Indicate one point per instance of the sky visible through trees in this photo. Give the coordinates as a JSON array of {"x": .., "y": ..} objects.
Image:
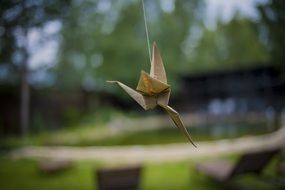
[{"x": 92, "y": 34}]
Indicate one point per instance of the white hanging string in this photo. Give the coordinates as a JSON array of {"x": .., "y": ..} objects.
[{"x": 146, "y": 31}]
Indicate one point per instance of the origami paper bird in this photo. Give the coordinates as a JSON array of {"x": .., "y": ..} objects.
[{"x": 153, "y": 90}]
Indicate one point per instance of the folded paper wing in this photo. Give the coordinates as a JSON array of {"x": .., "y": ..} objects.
[
  {"x": 147, "y": 102},
  {"x": 177, "y": 121}
]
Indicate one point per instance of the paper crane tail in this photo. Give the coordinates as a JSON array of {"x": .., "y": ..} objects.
[{"x": 177, "y": 121}]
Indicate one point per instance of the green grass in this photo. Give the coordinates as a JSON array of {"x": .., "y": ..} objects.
[
  {"x": 88, "y": 135},
  {"x": 170, "y": 135},
  {"x": 179, "y": 175},
  {"x": 24, "y": 175}
]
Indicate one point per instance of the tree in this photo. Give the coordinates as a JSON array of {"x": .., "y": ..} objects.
[
  {"x": 17, "y": 18},
  {"x": 111, "y": 44},
  {"x": 273, "y": 19},
  {"x": 231, "y": 45}
]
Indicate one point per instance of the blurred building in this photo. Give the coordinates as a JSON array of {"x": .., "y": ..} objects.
[{"x": 242, "y": 90}]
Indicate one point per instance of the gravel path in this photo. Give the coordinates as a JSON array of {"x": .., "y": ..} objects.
[{"x": 154, "y": 153}]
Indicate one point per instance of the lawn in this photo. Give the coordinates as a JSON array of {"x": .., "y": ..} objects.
[
  {"x": 24, "y": 175},
  {"x": 103, "y": 136}
]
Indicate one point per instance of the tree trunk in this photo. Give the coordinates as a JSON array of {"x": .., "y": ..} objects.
[
  {"x": 25, "y": 91},
  {"x": 25, "y": 100}
]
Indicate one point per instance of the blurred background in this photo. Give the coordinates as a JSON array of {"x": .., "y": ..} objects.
[{"x": 224, "y": 61}]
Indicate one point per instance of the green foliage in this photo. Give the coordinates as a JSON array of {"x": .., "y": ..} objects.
[
  {"x": 101, "y": 48},
  {"x": 100, "y": 41},
  {"x": 100, "y": 117},
  {"x": 95, "y": 48},
  {"x": 110, "y": 43},
  {"x": 71, "y": 116},
  {"x": 232, "y": 45},
  {"x": 38, "y": 124},
  {"x": 273, "y": 29}
]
